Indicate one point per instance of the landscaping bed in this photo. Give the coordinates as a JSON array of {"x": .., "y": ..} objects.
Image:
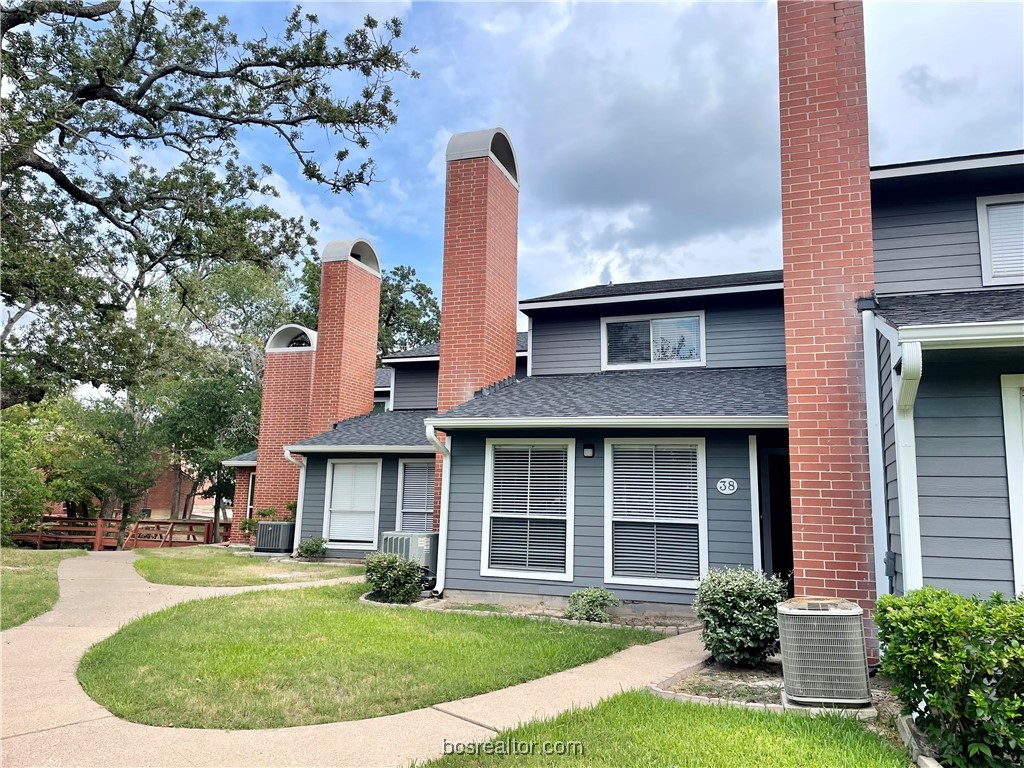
[
  {"x": 281, "y": 658},
  {"x": 214, "y": 566},
  {"x": 28, "y": 585},
  {"x": 639, "y": 730}
]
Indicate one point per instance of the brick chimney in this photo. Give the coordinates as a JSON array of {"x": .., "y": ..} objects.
[
  {"x": 346, "y": 356},
  {"x": 827, "y": 266},
  {"x": 284, "y": 416}
]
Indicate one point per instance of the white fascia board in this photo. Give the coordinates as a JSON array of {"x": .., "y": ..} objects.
[
  {"x": 304, "y": 449},
  {"x": 238, "y": 463},
  {"x": 1007, "y": 333},
  {"x": 619, "y": 422},
  {"x": 425, "y": 359},
  {"x": 967, "y": 164},
  {"x": 526, "y": 306}
]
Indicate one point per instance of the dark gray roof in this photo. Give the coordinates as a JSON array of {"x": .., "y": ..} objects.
[
  {"x": 250, "y": 456},
  {"x": 948, "y": 308},
  {"x": 649, "y": 393},
  {"x": 434, "y": 350},
  {"x": 387, "y": 428},
  {"x": 382, "y": 378},
  {"x": 742, "y": 279}
]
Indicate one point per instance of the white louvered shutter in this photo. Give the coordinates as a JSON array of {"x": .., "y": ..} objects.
[
  {"x": 418, "y": 497},
  {"x": 529, "y": 505},
  {"x": 655, "y": 511},
  {"x": 353, "y": 503},
  {"x": 1006, "y": 239}
]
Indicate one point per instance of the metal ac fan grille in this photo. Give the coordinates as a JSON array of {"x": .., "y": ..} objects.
[{"x": 824, "y": 658}]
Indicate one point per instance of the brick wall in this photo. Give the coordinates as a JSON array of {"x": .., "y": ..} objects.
[
  {"x": 826, "y": 218},
  {"x": 241, "y": 501},
  {"x": 478, "y": 294},
  {"x": 346, "y": 352},
  {"x": 284, "y": 419}
]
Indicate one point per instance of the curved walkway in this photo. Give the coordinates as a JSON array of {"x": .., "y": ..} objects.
[{"x": 47, "y": 719}]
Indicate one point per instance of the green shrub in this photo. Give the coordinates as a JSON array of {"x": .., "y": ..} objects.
[
  {"x": 269, "y": 513},
  {"x": 313, "y": 549},
  {"x": 737, "y": 608},
  {"x": 590, "y": 604},
  {"x": 248, "y": 525},
  {"x": 393, "y": 578},
  {"x": 958, "y": 664}
]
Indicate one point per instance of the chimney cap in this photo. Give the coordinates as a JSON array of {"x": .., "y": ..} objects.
[
  {"x": 359, "y": 251},
  {"x": 490, "y": 142},
  {"x": 292, "y": 337}
]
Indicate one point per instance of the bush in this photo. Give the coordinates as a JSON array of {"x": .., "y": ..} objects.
[
  {"x": 393, "y": 578},
  {"x": 958, "y": 664},
  {"x": 270, "y": 514},
  {"x": 737, "y": 608},
  {"x": 590, "y": 604},
  {"x": 248, "y": 525},
  {"x": 313, "y": 549}
]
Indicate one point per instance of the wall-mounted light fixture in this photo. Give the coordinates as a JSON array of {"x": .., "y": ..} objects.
[{"x": 588, "y": 451}]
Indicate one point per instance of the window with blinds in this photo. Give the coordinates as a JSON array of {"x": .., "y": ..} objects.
[
  {"x": 657, "y": 340},
  {"x": 528, "y": 511},
  {"x": 1001, "y": 229},
  {"x": 352, "y": 503},
  {"x": 417, "y": 496},
  {"x": 656, "y": 493}
]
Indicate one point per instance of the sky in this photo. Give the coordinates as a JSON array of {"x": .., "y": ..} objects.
[{"x": 646, "y": 134}]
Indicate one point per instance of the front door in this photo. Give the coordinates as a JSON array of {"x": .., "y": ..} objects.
[{"x": 776, "y": 514}]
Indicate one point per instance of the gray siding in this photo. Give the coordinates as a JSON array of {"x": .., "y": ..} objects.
[
  {"x": 734, "y": 337},
  {"x": 415, "y": 386},
  {"x": 730, "y": 540},
  {"x": 961, "y": 468},
  {"x": 892, "y": 499},
  {"x": 314, "y": 498}
]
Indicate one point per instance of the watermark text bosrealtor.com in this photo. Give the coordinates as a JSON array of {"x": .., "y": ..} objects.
[{"x": 514, "y": 747}]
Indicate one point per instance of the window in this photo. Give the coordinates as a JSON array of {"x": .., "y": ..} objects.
[
  {"x": 353, "y": 503},
  {"x": 252, "y": 495},
  {"x": 381, "y": 404},
  {"x": 528, "y": 502},
  {"x": 653, "y": 340},
  {"x": 655, "y": 512},
  {"x": 416, "y": 495},
  {"x": 1001, "y": 233}
]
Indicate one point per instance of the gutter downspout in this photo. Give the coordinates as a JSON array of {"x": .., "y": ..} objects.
[
  {"x": 876, "y": 454},
  {"x": 442, "y": 534},
  {"x": 301, "y": 464},
  {"x": 908, "y": 383}
]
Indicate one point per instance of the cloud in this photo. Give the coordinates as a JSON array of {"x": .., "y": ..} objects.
[{"x": 919, "y": 83}]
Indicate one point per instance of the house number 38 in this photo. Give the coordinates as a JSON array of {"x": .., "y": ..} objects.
[{"x": 727, "y": 486}]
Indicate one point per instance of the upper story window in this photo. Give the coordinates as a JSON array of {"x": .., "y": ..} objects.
[
  {"x": 1001, "y": 230},
  {"x": 665, "y": 340}
]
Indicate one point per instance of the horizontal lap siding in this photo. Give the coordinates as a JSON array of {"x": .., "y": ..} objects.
[
  {"x": 729, "y": 518},
  {"x": 314, "y": 499},
  {"x": 892, "y": 500},
  {"x": 735, "y": 337},
  {"x": 415, "y": 387},
  {"x": 961, "y": 466}
]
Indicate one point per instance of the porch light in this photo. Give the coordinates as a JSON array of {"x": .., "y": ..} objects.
[{"x": 588, "y": 451}]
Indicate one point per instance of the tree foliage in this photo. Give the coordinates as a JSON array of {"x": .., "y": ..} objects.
[
  {"x": 121, "y": 170},
  {"x": 409, "y": 313}
]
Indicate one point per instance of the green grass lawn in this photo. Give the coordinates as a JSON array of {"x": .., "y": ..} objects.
[
  {"x": 639, "y": 730},
  {"x": 218, "y": 567},
  {"x": 28, "y": 582},
  {"x": 278, "y": 658}
]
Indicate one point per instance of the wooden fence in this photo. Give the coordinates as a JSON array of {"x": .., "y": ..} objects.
[{"x": 101, "y": 533}]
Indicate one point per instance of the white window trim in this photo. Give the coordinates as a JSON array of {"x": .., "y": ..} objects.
[
  {"x": 359, "y": 545},
  {"x": 570, "y": 506},
  {"x": 251, "y": 499},
  {"x": 983, "y": 237},
  {"x": 702, "y": 512},
  {"x": 606, "y": 366},
  {"x": 401, "y": 484},
  {"x": 385, "y": 400},
  {"x": 1011, "y": 385}
]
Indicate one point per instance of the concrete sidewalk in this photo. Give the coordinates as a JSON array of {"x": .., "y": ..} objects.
[{"x": 48, "y": 720}]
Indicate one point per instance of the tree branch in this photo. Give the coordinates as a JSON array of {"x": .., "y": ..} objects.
[{"x": 34, "y": 10}]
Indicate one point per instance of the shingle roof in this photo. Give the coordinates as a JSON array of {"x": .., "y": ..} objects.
[
  {"x": 948, "y": 308},
  {"x": 241, "y": 458},
  {"x": 382, "y": 378},
  {"x": 741, "y": 279},
  {"x": 433, "y": 350},
  {"x": 650, "y": 393},
  {"x": 389, "y": 428}
]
